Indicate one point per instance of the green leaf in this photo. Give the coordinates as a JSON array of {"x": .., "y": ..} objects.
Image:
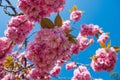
[
  {"x": 103, "y": 45},
  {"x": 117, "y": 48},
  {"x": 47, "y": 23},
  {"x": 58, "y": 21}
]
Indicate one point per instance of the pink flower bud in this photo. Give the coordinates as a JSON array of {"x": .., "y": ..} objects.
[{"x": 75, "y": 15}]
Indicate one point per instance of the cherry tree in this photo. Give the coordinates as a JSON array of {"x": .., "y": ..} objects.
[{"x": 53, "y": 45}]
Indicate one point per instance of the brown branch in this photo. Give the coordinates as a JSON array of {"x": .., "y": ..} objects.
[
  {"x": 5, "y": 8},
  {"x": 12, "y": 7},
  {"x": 22, "y": 23}
]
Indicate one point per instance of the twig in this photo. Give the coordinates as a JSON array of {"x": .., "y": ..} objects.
[
  {"x": 12, "y": 7},
  {"x": 5, "y": 8},
  {"x": 21, "y": 23}
]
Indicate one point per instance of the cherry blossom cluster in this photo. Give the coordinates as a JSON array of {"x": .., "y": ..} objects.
[
  {"x": 104, "y": 60},
  {"x": 103, "y": 38},
  {"x": 18, "y": 29},
  {"x": 82, "y": 43},
  {"x": 64, "y": 59},
  {"x": 89, "y": 30},
  {"x": 36, "y": 75},
  {"x": 4, "y": 48},
  {"x": 52, "y": 46},
  {"x": 71, "y": 65},
  {"x": 48, "y": 46},
  {"x": 81, "y": 73},
  {"x": 55, "y": 71},
  {"x": 37, "y": 9}
]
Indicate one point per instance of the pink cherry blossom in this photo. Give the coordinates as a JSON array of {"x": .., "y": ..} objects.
[
  {"x": 18, "y": 29},
  {"x": 89, "y": 30},
  {"x": 55, "y": 71},
  {"x": 103, "y": 38},
  {"x": 66, "y": 25},
  {"x": 83, "y": 42},
  {"x": 37, "y": 9},
  {"x": 105, "y": 60},
  {"x": 4, "y": 48},
  {"x": 61, "y": 61},
  {"x": 75, "y": 48},
  {"x": 76, "y": 15},
  {"x": 71, "y": 65},
  {"x": 36, "y": 75},
  {"x": 48, "y": 46},
  {"x": 81, "y": 73}
]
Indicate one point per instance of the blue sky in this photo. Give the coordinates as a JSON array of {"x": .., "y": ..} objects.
[{"x": 105, "y": 13}]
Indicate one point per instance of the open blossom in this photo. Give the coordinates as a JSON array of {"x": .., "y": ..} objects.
[
  {"x": 71, "y": 65},
  {"x": 55, "y": 71},
  {"x": 103, "y": 38},
  {"x": 4, "y": 48},
  {"x": 105, "y": 60},
  {"x": 18, "y": 28},
  {"x": 83, "y": 42},
  {"x": 36, "y": 75},
  {"x": 66, "y": 25},
  {"x": 48, "y": 46},
  {"x": 37, "y": 9},
  {"x": 81, "y": 73},
  {"x": 89, "y": 30},
  {"x": 75, "y": 48},
  {"x": 61, "y": 61},
  {"x": 76, "y": 15}
]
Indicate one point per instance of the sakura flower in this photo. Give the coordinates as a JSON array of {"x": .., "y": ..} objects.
[
  {"x": 4, "y": 48},
  {"x": 47, "y": 48},
  {"x": 89, "y": 30},
  {"x": 18, "y": 29},
  {"x": 37, "y": 9},
  {"x": 103, "y": 38},
  {"x": 83, "y": 42},
  {"x": 81, "y": 73},
  {"x": 66, "y": 25},
  {"x": 76, "y": 15},
  {"x": 71, "y": 65},
  {"x": 105, "y": 60},
  {"x": 55, "y": 71}
]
